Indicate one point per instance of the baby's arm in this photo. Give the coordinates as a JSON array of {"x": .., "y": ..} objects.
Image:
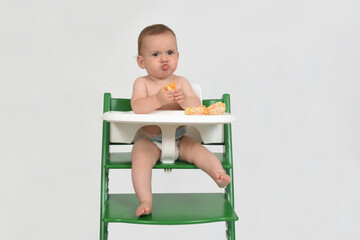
[
  {"x": 142, "y": 103},
  {"x": 185, "y": 96}
]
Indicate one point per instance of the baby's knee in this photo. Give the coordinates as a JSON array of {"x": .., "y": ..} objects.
[
  {"x": 189, "y": 144},
  {"x": 141, "y": 145},
  {"x": 144, "y": 149},
  {"x": 189, "y": 149}
]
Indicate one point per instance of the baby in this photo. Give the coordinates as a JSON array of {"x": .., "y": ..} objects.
[{"x": 158, "y": 55}]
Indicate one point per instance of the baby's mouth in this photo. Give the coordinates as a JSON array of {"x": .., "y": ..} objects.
[{"x": 165, "y": 67}]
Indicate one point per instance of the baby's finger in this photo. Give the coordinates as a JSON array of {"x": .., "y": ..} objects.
[
  {"x": 179, "y": 98},
  {"x": 178, "y": 90}
]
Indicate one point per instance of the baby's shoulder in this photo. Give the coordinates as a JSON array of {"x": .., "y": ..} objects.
[
  {"x": 181, "y": 79},
  {"x": 141, "y": 79},
  {"x": 140, "y": 84},
  {"x": 183, "y": 82}
]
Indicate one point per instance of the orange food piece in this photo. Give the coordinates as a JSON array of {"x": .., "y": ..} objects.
[
  {"x": 165, "y": 67},
  {"x": 215, "y": 109},
  {"x": 195, "y": 110},
  {"x": 170, "y": 86}
]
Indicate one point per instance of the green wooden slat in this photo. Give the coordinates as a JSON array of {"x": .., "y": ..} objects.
[
  {"x": 121, "y": 104},
  {"x": 122, "y": 160},
  {"x": 208, "y": 102},
  {"x": 171, "y": 209}
]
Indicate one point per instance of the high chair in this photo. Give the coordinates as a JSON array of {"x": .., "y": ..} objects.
[{"x": 168, "y": 208}]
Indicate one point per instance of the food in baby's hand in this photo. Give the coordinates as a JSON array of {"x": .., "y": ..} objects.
[
  {"x": 215, "y": 109},
  {"x": 195, "y": 110},
  {"x": 170, "y": 86}
]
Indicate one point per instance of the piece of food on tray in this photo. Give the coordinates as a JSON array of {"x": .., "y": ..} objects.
[
  {"x": 215, "y": 109},
  {"x": 195, "y": 110},
  {"x": 170, "y": 86}
]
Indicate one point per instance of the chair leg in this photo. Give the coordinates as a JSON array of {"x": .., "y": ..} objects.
[
  {"x": 229, "y": 191},
  {"x": 103, "y": 231},
  {"x": 230, "y": 230},
  {"x": 104, "y": 198}
]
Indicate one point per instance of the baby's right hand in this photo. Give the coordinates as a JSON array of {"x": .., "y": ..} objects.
[{"x": 165, "y": 96}]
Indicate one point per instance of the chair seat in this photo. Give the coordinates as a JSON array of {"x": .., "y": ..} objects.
[
  {"x": 122, "y": 160},
  {"x": 171, "y": 209}
]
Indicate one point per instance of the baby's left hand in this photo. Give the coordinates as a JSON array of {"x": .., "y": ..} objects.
[{"x": 179, "y": 96}]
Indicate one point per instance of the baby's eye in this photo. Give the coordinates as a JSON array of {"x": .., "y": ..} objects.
[
  {"x": 155, "y": 54},
  {"x": 170, "y": 52}
]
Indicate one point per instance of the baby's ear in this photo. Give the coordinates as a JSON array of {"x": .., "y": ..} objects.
[{"x": 140, "y": 61}]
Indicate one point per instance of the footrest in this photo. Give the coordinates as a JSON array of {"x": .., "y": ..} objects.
[
  {"x": 171, "y": 209},
  {"x": 122, "y": 160}
]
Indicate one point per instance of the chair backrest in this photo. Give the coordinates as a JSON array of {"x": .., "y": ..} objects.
[
  {"x": 120, "y": 104},
  {"x": 197, "y": 90}
]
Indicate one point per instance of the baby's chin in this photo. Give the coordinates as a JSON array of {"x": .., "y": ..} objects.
[
  {"x": 161, "y": 74},
  {"x": 165, "y": 74}
]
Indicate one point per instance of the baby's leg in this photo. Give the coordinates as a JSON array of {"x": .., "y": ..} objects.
[
  {"x": 144, "y": 156},
  {"x": 195, "y": 153}
]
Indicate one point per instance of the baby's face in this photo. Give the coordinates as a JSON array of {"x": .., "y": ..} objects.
[{"x": 159, "y": 55}]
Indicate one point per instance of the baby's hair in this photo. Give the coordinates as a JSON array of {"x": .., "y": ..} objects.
[{"x": 153, "y": 30}]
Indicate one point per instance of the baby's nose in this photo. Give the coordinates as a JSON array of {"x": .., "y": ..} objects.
[{"x": 164, "y": 58}]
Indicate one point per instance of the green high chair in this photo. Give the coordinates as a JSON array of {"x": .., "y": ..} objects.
[{"x": 168, "y": 208}]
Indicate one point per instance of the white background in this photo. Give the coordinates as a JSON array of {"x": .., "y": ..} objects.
[{"x": 291, "y": 67}]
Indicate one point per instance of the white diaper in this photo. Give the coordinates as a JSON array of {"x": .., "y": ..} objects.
[
  {"x": 159, "y": 145},
  {"x": 157, "y": 140}
]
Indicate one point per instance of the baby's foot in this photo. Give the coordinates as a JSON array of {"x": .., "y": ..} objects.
[
  {"x": 221, "y": 179},
  {"x": 143, "y": 209}
]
